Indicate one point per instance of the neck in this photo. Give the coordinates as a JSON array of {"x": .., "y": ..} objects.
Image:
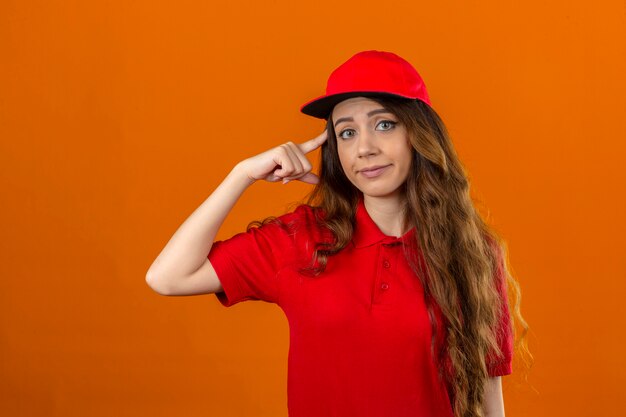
[{"x": 387, "y": 213}]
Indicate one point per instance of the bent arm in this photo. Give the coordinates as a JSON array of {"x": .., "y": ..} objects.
[
  {"x": 493, "y": 404},
  {"x": 182, "y": 267}
]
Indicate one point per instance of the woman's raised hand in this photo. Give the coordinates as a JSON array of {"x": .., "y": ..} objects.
[
  {"x": 285, "y": 162},
  {"x": 182, "y": 267}
]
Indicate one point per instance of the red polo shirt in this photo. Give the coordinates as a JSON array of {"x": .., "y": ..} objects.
[{"x": 360, "y": 334}]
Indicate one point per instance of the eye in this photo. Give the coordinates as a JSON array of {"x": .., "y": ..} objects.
[
  {"x": 342, "y": 136},
  {"x": 388, "y": 123}
]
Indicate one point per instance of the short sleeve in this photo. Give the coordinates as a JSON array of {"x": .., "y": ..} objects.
[
  {"x": 502, "y": 365},
  {"x": 248, "y": 264}
]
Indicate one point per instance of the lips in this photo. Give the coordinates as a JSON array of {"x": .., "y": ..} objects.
[{"x": 375, "y": 171}]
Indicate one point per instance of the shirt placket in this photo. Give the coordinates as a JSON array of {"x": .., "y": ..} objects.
[{"x": 386, "y": 280}]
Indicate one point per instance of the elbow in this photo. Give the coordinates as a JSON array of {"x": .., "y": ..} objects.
[{"x": 157, "y": 284}]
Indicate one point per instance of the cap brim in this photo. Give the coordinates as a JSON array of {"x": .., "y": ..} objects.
[{"x": 322, "y": 106}]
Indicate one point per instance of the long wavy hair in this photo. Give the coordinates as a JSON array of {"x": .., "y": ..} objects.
[{"x": 461, "y": 255}]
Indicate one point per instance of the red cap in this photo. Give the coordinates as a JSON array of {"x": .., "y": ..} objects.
[{"x": 368, "y": 74}]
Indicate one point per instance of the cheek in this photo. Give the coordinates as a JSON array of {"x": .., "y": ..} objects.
[
  {"x": 406, "y": 158},
  {"x": 344, "y": 160}
]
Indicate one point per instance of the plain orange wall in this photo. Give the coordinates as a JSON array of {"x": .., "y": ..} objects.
[{"x": 118, "y": 118}]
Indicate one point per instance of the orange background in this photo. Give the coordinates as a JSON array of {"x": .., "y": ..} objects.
[{"x": 118, "y": 118}]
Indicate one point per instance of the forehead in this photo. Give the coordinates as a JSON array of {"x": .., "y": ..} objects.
[{"x": 353, "y": 106}]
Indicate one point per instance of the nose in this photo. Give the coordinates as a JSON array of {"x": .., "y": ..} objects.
[{"x": 366, "y": 144}]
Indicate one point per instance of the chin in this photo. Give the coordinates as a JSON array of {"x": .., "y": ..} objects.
[{"x": 379, "y": 191}]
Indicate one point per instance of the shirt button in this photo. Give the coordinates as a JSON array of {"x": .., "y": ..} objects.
[
  {"x": 386, "y": 264},
  {"x": 384, "y": 286}
]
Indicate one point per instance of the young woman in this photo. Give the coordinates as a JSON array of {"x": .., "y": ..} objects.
[{"x": 394, "y": 288}]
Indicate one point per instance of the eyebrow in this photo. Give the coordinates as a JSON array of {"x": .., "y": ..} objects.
[{"x": 370, "y": 114}]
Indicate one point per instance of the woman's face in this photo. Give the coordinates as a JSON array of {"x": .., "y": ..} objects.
[{"x": 369, "y": 136}]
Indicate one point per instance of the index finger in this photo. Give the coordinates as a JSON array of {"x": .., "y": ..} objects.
[{"x": 314, "y": 143}]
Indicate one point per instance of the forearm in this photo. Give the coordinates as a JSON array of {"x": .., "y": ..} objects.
[
  {"x": 493, "y": 404},
  {"x": 187, "y": 249}
]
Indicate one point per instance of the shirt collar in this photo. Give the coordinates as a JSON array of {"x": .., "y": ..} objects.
[{"x": 367, "y": 233}]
